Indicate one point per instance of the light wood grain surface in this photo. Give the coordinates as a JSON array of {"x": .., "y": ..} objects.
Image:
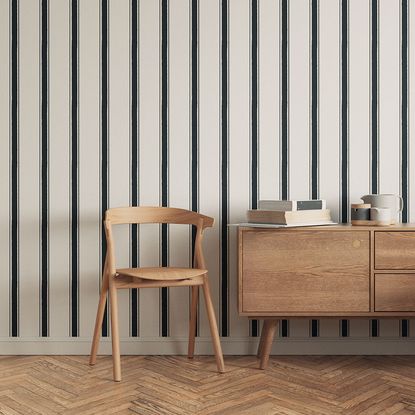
[
  {"x": 395, "y": 250},
  {"x": 175, "y": 385},
  {"x": 395, "y": 292},
  {"x": 335, "y": 271},
  {"x": 305, "y": 271},
  {"x": 153, "y": 277}
]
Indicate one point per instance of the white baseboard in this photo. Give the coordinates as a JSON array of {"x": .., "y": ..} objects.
[{"x": 231, "y": 346}]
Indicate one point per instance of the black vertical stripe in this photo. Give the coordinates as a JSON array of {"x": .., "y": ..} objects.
[
  {"x": 404, "y": 110},
  {"x": 344, "y": 114},
  {"x": 314, "y": 99},
  {"x": 254, "y": 104},
  {"x": 134, "y": 148},
  {"x": 104, "y": 180},
  {"x": 404, "y": 328},
  {"x": 374, "y": 169},
  {"x": 404, "y": 127},
  {"x": 344, "y": 328},
  {"x": 374, "y": 141},
  {"x": 164, "y": 156},
  {"x": 314, "y": 115},
  {"x": 344, "y": 133},
  {"x": 315, "y": 328},
  {"x": 284, "y": 328},
  {"x": 194, "y": 118},
  {"x": 194, "y": 110},
  {"x": 374, "y": 328},
  {"x": 14, "y": 169},
  {"x": 254, "y": 120},
  {"x": 44, "y": 181},
  {"x": 74, "y": 329},
  {"x": 284, "y": 134},
  {"x": 284, "y": 131},
  {"x": 224, "y": 169}
]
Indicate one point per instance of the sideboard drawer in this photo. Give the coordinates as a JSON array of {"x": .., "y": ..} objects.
[
  {"x": 395, "y": 292},
  {"x": 394, "y": 250},
  {"x": 304, "y": 271}
]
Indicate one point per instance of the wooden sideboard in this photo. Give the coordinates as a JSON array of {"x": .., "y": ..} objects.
[{"x": 325, "y": 271}]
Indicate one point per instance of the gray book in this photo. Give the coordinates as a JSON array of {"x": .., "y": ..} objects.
[{"x": 291, "y": 205}]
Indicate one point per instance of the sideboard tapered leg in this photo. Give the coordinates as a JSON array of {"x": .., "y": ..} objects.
[
  {"x": 261, "y": 340},
  {"x": 267, "y": 343}
]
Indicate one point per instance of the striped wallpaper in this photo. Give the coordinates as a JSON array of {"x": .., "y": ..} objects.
[{"x": 208, "y": 105}]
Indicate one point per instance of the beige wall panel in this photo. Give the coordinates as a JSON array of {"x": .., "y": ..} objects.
[
  {"x": 299, "y": 99},
  {"x": 209, "y": 142},
  {"x": 411, "y": 115},
  {"x": 119, "y": 136},
  {"x": 179, "y": 154},
  {"x": 269, "y": 98},
  {"x": 329, "y": 327},
  {"x": 389, "y": 328},
  {"x": 149, "y": 156},
  {"x": 59, "y": 131},
  {"x": 299, "y": 328},
  {"x": 89, "y": 218},
  {"x": 29, "y": 168},
  {"x": 389, "y": 84},
  {"x": 329, "y": 101}
]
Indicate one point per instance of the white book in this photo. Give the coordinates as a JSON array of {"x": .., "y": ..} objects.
[
  {"x": 292, "y": 205},
  {"x": 278, "y": 225}
]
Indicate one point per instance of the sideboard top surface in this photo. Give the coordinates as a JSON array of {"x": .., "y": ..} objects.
[{"x": 337, "y": 227}]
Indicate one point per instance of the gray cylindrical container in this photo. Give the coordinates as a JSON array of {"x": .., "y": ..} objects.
[{"x": 359, "y": 212}]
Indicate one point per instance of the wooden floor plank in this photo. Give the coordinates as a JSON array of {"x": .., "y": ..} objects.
[{"x": 174, "y": 385}]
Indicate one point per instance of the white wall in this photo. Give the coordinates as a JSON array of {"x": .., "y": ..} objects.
[{"x": 194, "y": 117}]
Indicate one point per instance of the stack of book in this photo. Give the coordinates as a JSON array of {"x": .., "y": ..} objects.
[{"x": 291, "y": 212}]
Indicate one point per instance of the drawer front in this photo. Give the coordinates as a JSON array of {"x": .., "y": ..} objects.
[
  {"x": 394, "y": 292},
  {"x": 394, "y": 250},
  {"x": 304, "y": 271}
]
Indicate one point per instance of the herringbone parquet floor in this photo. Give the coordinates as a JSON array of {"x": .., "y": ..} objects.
[{"x": 326, "y": 385}]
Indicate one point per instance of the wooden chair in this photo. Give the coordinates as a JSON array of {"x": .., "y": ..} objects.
[{"x": 114, "y": 279}]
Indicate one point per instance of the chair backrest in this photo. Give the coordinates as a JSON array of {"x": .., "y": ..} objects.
[
  {"x": 148, "y": 214},
  {"x": 137, "y": 215}
]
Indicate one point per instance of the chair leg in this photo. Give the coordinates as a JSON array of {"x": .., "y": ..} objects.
[
  {"x": 261, "y": 340},
  {"x": 213, "y": 326},
  {"x": 267, "y": 345},
  {"x": 98, "y": 322},
  {"x": 192, "y": 322},
  {"x": 115, "y": 333}
]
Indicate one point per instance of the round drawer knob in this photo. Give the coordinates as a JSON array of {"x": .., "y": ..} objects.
[{"x": 356, "y": 243}]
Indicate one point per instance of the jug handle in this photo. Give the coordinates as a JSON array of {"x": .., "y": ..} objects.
[{"x": 400, "y": 203}]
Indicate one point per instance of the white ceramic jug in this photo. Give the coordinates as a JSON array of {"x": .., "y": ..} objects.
[
  {"x": 382, "y": 216},
  {"x": 389, "y": 201}
]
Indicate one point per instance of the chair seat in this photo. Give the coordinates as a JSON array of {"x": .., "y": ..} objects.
[{"x": 162, "y": 273}]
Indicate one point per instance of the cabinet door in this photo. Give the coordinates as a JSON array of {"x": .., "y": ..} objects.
[{"x": 289, "y": 271}]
